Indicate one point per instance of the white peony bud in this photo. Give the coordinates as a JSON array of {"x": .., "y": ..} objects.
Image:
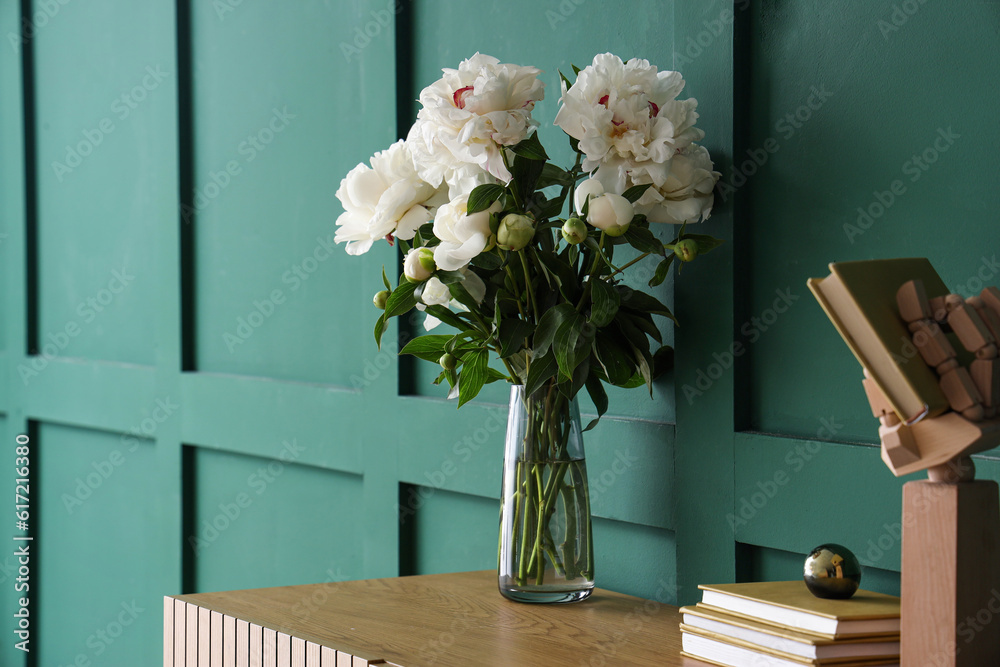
[
  {"x": 418, "y": 265},
  {"x": 610, "y": 213}
]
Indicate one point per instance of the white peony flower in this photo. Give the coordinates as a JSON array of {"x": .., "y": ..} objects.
[
  {"x": 685, "y": 195},
  {"x": 386, "y": 198},
  {"x": 469, "y": 114},
  {"x": 462, "y": 236},
  {"x": 435, "y": 293},
  {"x": 627, "y": 119}
]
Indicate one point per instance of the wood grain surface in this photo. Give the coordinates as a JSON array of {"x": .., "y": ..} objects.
[{"x": 458, "y": 619}]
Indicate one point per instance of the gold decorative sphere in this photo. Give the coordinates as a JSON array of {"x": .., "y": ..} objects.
[{"x": 832, "y": 571}]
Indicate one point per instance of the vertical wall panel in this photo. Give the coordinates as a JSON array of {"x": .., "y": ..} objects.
[
  {"x": 275, "y": 128},
  {"x": 103, "y": 184},
  {"x": 263, "y": 522},
  {"x": 920, "y": 119},
  {"x": 100, "y": 573}
]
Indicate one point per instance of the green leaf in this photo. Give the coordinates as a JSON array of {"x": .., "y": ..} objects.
[
  {"x": 576, "y": 70},
  {"x": 643, "y": 303},
  {"x": 561, "y": 271},
  {"x": 530, "y": 148},
  {"x": 642, "y": 321},
  {"x": 663, "y": 361},
  {"x": 487, "y": 261},
  {"x": 379, "y": 330},
  {"x": 483, "y": 196},
  {"x": 636, "y": 191},
  {"x": 705, "y": 243},
  {"x": 401, "y": 299},
  {"x": 473, "y": 376},
  {"x": 385, "y": 280},
  {"x": 568, "y": 83},
  {"x": 525, "y": 172},
  {"x": 428, "y": 348},
  {"x": 464, "y": 340},
  {"x": 614, "y": 360},
  {"x": 449, "y": 277},
  {"x": 460, "y": 294},
  {"x": 643, "y": 240},
  {"x": 605, "y": 302},
  {"x": 600, "y": 398},
  {"x": 512, "y": 333},
  {"x": 661, "y": 271},
  {"x": 564, "y": 344},
  {"x": 539, "y": 372},
  {"x": 493, "y": 375},
  {"x": 547, "y": 326},
  {"x": 553, "y": 175},
  {"x": 446, "y": 316}
]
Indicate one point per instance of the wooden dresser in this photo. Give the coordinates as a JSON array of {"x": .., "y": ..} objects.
[{"x": 444, "y": 619}]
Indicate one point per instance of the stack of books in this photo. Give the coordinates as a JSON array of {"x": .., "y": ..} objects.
[{"x": 781, "y": 623}]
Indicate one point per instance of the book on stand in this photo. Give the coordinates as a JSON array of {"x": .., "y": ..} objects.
[{"x": 860, "y": 300}]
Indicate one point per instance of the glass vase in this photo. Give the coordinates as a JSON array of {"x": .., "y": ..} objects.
[{"x": 546, "y": 546}]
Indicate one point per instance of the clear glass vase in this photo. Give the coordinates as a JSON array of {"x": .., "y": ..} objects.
[{"x": 546, "y": 546}]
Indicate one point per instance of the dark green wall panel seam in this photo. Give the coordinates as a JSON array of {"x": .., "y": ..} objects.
[
  {"x": 30, "y": 320},
  {"x": 185, "y": 187}
]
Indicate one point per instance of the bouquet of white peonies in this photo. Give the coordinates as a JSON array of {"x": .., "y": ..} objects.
[{"x": 490, "y": 247}]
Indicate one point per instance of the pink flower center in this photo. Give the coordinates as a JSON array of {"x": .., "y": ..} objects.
[
  {"x": 604, "y": 101},
  {"x": 460, "y": 95},
  {"x": 390, "y": 239},
  {"x": 655, "y": 109}
]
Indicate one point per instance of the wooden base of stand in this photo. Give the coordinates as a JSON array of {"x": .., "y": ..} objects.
[{"x": 951, "y": 574}]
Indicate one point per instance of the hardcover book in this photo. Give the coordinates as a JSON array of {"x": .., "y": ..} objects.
[
  {"x": 785, "y": 640},
  {"x": 730, "y": 652},
  {"x": 790, "y": 604},
  {"x": 860, "y": 300}
]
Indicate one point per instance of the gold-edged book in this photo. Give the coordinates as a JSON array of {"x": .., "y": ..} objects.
[
  {"x": 790, "y": 604},
  {"x": 794, "y": 642},
  {"x": 729, "y": 652},
  {"x": 860, "y": 300}
]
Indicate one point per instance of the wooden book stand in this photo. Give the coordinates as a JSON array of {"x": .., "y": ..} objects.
[{"x": 951, "y": 521}]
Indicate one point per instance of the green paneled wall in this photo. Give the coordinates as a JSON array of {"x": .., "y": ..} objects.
[{"x": 241, "y": 331}]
